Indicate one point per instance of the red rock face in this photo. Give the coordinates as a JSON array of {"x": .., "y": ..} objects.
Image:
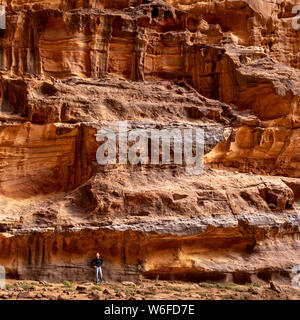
[{"x": 228, "y": 67}]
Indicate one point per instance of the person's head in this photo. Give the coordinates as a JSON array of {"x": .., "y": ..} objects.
[{"x": 98, "y": 255}]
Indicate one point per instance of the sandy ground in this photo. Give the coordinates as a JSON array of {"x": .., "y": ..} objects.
[{"x": 145, "y": 290}]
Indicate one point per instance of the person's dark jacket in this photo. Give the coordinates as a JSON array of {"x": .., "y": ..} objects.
[{"x": 97, "y": 262}]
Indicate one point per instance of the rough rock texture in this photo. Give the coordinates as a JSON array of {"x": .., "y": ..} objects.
[{"x": 228, "y": 67}]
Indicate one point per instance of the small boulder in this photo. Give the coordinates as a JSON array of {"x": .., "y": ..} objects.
[
  {"x": 121, "y": 295},
  {"x": 108, "y": 292},
  {"x": 94, "y": 296},
  {"x": 128, "y": 283},
  {"x": 275, "y": 287},
  {"x": 146, "y": 291},
  {"x": 38, "y": 296},
  {"x": 82, "y": 288},
  {"x": 4, "y": 296}
]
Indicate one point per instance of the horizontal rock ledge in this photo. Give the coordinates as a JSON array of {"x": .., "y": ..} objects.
[{"x": 251, "y": 246}]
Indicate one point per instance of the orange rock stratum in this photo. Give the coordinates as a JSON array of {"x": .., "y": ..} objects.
[{"x": 68, "y": 67}]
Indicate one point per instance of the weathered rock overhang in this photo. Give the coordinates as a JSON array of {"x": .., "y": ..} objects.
[{"x": 240, "y": 249}]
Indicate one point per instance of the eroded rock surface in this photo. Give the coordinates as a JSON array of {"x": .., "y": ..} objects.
[{"x": 230, "y": 68}]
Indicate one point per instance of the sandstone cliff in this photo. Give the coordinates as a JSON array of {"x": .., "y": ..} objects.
[{"x": 229, "y": 67}]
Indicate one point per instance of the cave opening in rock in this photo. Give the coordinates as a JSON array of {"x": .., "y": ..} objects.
[
  {"x": 241, "y": 277},
  {"x": 155, "y": 13}
]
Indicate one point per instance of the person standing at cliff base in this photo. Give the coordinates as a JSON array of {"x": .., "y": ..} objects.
[{"x": 97, "y": 264}]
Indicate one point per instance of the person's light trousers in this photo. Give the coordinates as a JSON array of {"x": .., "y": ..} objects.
[{"x": 99, "y": 271}]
